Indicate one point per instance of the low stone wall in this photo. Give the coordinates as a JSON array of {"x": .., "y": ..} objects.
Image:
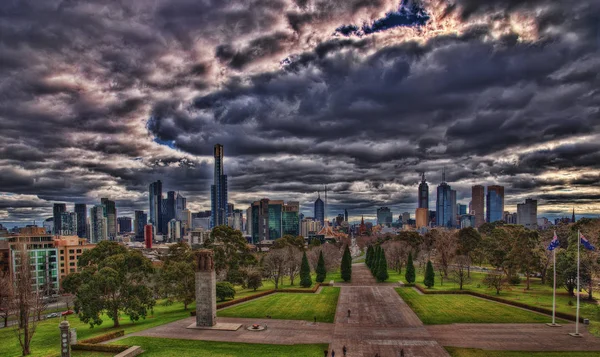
[
  {"x": 131, "y": 352},
  {"x": 542, "y": 310}
]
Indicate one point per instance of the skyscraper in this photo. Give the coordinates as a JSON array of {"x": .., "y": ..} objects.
[
  {"x": 124, "y": 224},
  {"x": 271, "y": 219},
  {"x": 423, "y": 193},
  {"x": 527, "y": 214},
  {"x": 320, "y": 209},
  {"x": 81, "y": 210},
  {"x": 384, "y": 216},
  {"x": 171, "y": 207},
  {"x": 454, "y": 214},
  {"x": 477, "y": 199},
  {"x": 444, "y": 205},
  {"x": 155, "y": 206},
  {"x": 346, "y": 215},
  {"x": 57, "y": 210},
  {"x": 180, "y": 206},
  {"x": 494, "y": 209},
  {"x": 290, "y": 219},
  {"x": 98, "y": 231},
  {"x": 139, "y": 221},
  {"x": 68, "y": 223},
  {"x": 110, "y": 212},
  {"x": 218, "y": 191}
]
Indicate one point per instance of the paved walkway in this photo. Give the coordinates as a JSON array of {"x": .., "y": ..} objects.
[{"x": 380, "y": 321}]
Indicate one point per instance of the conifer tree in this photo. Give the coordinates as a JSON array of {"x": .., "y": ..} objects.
[
  {"x": 305, "y": 279},
  {"x": 382, "y": 273},
  {"x": 375, "y": 263},
  {"x": 346, "y": 267},
  {"x": 369, "y": 258},
  {"x": 429, "y": 275},
  {"x": 410, "y": 270},
  {"x": 321, "y": 272}
]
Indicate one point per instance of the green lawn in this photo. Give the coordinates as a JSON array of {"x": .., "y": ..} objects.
[
  {"x": 45, "y": 343},
  {"x": 184, "y": 348},
  {"x": 470, "y": 352},
  {"x": 289, "y": 306},
  {"x": 448, "y": 309}
]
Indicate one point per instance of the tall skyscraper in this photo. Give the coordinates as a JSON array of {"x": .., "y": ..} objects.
[
  {"x": 494, "y": 204},
  {"x": 139, "y": 222},
  {"x": 124, "y": 224},
  {"x": 170, "y": 207},
  {"x": 454, "y": 214},
  {"x": 527, "y": 214},
  {"x": 180, "y": 206},
  {"x": 346, "y": 215},
  {"x": 477, "y": 205},
  {"x": 320, "y": 209},
  {"x": 81, "y": 210},
  {"x": 68, "y": 223},
  {"x": 57, "y": 210},
  {"x": 445, "y": 207},
  {"x": 155, "y": 216},
  {"x": 218, "y": 191},
  {"x": 110, "y": 212},
  {"x": 423, "y": 193},
  {"x": 98, "y": 226},
  {"x": 384, "y": 216},
  {"x": 271, "y": 219}
]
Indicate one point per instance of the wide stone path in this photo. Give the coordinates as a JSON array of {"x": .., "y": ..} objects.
[{"x": 380, "y": 321}]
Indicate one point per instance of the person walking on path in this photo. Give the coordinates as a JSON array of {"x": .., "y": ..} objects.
[
  {"x": 332, "y": 353},
  {"x": 348, "y": 312},
  {"x": 402, "y": 352},
  {"x": 325, "y": 353},
  {"x": 344, "y": 350},
  {"x": 315, "y": 319}
]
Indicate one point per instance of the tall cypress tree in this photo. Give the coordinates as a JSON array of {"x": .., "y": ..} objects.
[
  {"x": 375, "y": 264},
  {"x": 410, "y": 270},
  {"x": 305, "y": 279},
  {"x": 321, "y": 271},
  {"x": 369, "y": 258},
  {"x": 382, "y": 273},
  {"x": 429, "y": 280},
  {"x": 346, "y": 267}
]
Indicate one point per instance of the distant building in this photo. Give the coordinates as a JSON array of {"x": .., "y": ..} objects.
[
  {"x": 139, "y": 222},
  {"x": 445, "y": 207},
  {"x": 68, "y": 223},
  {"x": 467, "y": 220},
  {"x": 272, "y": 219},
  {"x": 186, "y": 220},
  {"x": 57, "y": 210},
  {"x": 510, "y": 218},
  {"x": 309, "y": 227},
  {"x": 98, "y": 226},
  {"x": 527, "y": 214},
  {"x": 70, "y": 248},
  {"x": 290, "y": 218},
  {"x": 124, "y": 224},
  {"x": 218, "y": 191},
  {"x": 477, "y": 204},
  {"x": 345, "y": 215},
  {"x": 422, "y": 217},
  {"x": 148, "y": 235},
  {"x": 174, "y": 233},
  {"x": 249, "y": 221},
  {"x": 155, "y": 203},
  {"x": 423, "y": 193},
  {"x": 320, "y": 209},
  {"x": 110, "y": 212},
  {"x": 384, "y": 216},
  {"x": 49, "y": 225},
  {"x": 81, "y": 210},
  {"x": 405, "y": 217},
  {"x": 236, "y": 219},
  {"x": 454, "y": 207},
  {"x": 462, "y": 209},
  {"x": 494, "y": 203},
  {"x": 180, "y": 207}
]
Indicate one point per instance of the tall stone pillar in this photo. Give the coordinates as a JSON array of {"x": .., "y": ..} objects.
[
  {"x": 206, "y": 290},
  {"x": 65, "y": 339}
]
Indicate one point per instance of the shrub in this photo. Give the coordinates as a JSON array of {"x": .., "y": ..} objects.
[
  {"x": 346, "y": 268},
  {"x": 99, "y": 348},
  {"x": 410, "y": 274},
  {"x": 225, "y": 290},
  {"x": 103, "y": 338},
  {"x": 254, "y": 280},
  {"x": 321, "y": 271},
  {"x": 514, "y": 280},
  {"x": 429, "y": 280}
]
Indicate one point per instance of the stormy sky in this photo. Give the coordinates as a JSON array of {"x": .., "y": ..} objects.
[{"x": 98, "y": 98}]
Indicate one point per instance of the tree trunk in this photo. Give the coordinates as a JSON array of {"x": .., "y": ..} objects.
[
  {"x": 527, "y": 274},
  {"x": 116, "y": 318},
  {"x": 26, "y": 340},
  {"x": 185, "y": 305}
]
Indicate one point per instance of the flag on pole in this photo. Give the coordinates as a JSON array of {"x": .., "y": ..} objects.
[
  {"x": 554, "y": 243},
  {"x": 586, "y": 243}
]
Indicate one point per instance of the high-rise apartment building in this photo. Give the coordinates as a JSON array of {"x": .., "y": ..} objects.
[
  {"x": 320, "y": 209},
  {"x": 140, "y": 220},
  {"x": 445, "y": 206},
  {"x": 527, "y": 214},
  {"x": 98, "y": 224},
  {"x": 68, "y": 223},
  {"x": 218, "y": 191},
  {"x": 384, "y": 216},
  {"x": 155, "y": 216},
  {"x": 110, "y": 212},
  {"x": 124, "y": 224},
  {"x": 81, "y": 210},
  {"x": 494, "y": 203},
  {"x": 423, "y": 193},
  {"x": 57, "y": 210},
  {"x": 477, "y": 204}
]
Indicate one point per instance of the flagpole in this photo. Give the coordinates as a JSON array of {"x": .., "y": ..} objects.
[
  {"x": 577, "y": 334},
  {"x": 554, "y": 324}
]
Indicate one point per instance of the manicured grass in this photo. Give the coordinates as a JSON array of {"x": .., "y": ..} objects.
[
  {"x": 448, "y": 309},
  {"x": 470, "y": 352},
  {"x": 289, "y": 306},
  {"x": 45, "y": 340},
  {"x": 190, "y": 348}
]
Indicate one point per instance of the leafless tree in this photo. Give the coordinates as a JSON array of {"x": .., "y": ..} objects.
[
  {"x": 6, "y": 295},
  {"x": 294, "y": 259},
  {"x": 445, "y": 248},
  {"x": 331, "y": 254},
  {"x": 274, "y": 265},
  {"x": 27, "y": 301},
  {"x": 460, "y": 271},
  {"x": 396, "y": 254}
]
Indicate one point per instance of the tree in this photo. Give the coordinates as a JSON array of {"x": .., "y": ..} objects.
[
  {"x": 225, "y": 290},
  {"x": 179, "y": 252},
  {"x": 429, "y": 280},
  {"x": 178, "y": 282},
  {"x": 113, "y": 280},
  {"x": 375, "y": 260},
  {"x": 346, "y": 267},
  {"x": 254, "y": 280},
  {"x": 294, "y": 259},
  {"x": 230, "y": 249},
  {"x": 321, "y": 271},
  {"x": 495, "y": 281},
  {"x": 468, "y": 241},
  {"x": 410, "y": 270},
  {"x": 396, "y": 253},
  {"x": 369, "y": 257},
  {"x": 414, "y": 240},
  {"x": 445, "y": 248},
  {"x": 526, "y": 253},
  {"x": 26, "y": 300},
  {"x": 274, "y": 265},
  {"x": 305, "y": 278},
  {"x": 6, "y": 296},
  {"x": 289, "y": 240},
  {"x": 382, "y": 273},
  {"x": 460, "y": 274}
]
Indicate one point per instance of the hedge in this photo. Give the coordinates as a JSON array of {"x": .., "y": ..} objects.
[
  {"x": 541, "y": 310},
  {"x": 99, "y": 348},
  {"x": 103, "y": 338}
]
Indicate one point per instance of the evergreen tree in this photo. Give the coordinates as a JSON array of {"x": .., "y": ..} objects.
[
  {"x": 346, "y": 267},
  {"x": 321, "y": 272},
  {"x": 429, "y": 280},
  {"x": 375, "y": 262},
  {"x": 410, "y": 270},
  {"x": 369, "y": 257},
  {"x": 382, "y": 273},
  {"x": 305, "y": 279}
]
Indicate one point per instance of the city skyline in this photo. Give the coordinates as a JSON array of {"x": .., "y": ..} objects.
[{"x": 300, "y": 96}]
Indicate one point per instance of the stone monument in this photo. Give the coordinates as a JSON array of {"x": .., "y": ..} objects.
[
  {"x": 206, "y": 290},
  {"x": 65, "y": 343}
]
